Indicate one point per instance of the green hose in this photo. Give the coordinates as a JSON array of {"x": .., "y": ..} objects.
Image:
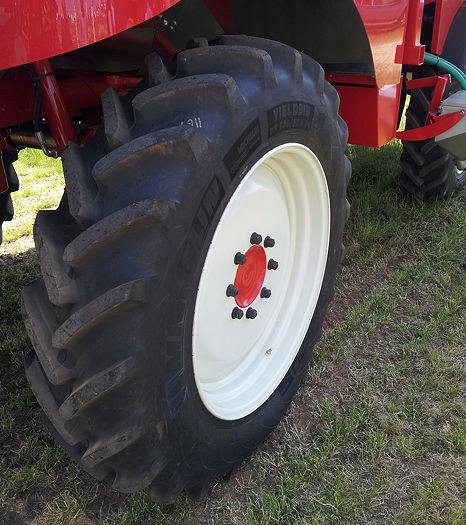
[{"x": 444, "y": 65}]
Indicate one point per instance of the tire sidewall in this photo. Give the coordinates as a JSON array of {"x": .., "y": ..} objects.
[{"x": 190, "y": 421}]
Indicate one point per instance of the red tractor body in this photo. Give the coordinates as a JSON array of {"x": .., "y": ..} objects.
[
  {"x": 33, "y": 29},
  {"x": 389, "y": 35}
]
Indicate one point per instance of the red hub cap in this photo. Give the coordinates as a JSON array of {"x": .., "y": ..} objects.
[{"x": 250, "y": 276}]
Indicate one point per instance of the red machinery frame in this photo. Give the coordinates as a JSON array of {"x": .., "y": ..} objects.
[
  {"x": 369, "y": 104},
  {"x": 434, "y": 125},
  {"x": 33, "y": 30}
]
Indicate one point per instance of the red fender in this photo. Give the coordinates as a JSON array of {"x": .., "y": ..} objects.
[{"x": 32, "y": 30}]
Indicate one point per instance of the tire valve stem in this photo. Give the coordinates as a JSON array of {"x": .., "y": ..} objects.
[
  {"x": 269, "y": 242},
  {"x": 272, "y": 265},
  {"x": 240, "y": 258},
  {"x": 256, "y": 238},
  {"x": 251, "y": 313},
  {"x": 265, "y": 293},
  {"x": 232, "y": 290},
  {"x": 237, "y": 313}
]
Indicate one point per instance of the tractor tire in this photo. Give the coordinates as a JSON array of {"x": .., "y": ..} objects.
[
  {"x": 133, "y": 323},
  {"x": 429, "y": 172},
  {"x": 6, "y": 204}
]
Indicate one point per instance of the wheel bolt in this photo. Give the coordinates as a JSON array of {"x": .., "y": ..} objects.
[
  {"x": 232, "y": 290},
  {"x": 265, "y": 293},
  {"x": 272, "y": 265},
  {"x": 255, "y": 238},
  {"x": 251, "y": 313},
  {"x": 240, "y": 258},
  {"x": 237, "y": 313},
  {"x": 269, "y": 242}
]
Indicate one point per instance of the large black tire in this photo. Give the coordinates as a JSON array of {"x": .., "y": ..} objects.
[
  {"x": 121, "y": 259},
  {"x": 6, "y": 204},
  {"x": 429, "y": 172}
]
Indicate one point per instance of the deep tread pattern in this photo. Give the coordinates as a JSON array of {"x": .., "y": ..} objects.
[
  {"x": 96, "y": 386},
  {"x": 197, "y": 42},
  {"x": 100, "y": 472},
  {"x": 93, "y": 312},
  {"x": 53, "y": 231},
  {"x": 80, "y": 188},
  {"x": 180, "y": 146},
  {"x": 106, "y": 448},
  {"x": 128, "y": 154},
  {"x": 132, "y": 213},
  {"x": 429, "y": 172},
  {"x": 189, "y": 100},
  {"x": 41, "y": 322},
  {"x": 159, "y": 209},
  {"x": 239, "y": 62},
  {"x": 288, "y": 62},
  {"x": 117, "y": 122},
  {"x": 72, "y": 435},
  {"x": 127, "y": 481},
  {"x": 156, "y": 72}
]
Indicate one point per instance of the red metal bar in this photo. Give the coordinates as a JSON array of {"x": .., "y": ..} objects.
[
  {"x": 411, "y": 51},
  {"x": 417, "y": 83},
  {"x": 355, "y": 80},
  {"x": 122, "y": 83},
  {"x": 440, "y": 83},
  {"x": 54, "y": 106},
  {"x": 79, "y": 90},
  {"x": 439, "y": 126}
]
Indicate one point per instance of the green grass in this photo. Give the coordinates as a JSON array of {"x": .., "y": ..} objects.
[
  {"x": 376, "y": 435},
  {"x": 41, "y": 187}
]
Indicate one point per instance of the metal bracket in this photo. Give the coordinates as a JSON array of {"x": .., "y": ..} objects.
[
  {"x": 440, "y": 125},
  {"x": 411, "y": 52},
  {"x": 439, "y": 83},
  {"x": 434, "y": 125}
]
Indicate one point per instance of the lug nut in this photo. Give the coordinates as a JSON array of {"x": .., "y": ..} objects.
[
  {"x": 255, "y": 238},
  {"x": 265, "y": 293},
  {"x": 232, "y": 290},
  {"x": 272, "y": 265},
  {"x": 237, "y": 313},
  {"x": 269, "y": 242},
  {"x": 251, "y": 313},
  {"x": 240, "y": 258}
]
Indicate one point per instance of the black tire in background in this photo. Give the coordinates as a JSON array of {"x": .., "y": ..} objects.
[
  {"x": 6, "y": 204},
  {"x": 429, "y": 172},
  {"x": 121, "y": 259}
]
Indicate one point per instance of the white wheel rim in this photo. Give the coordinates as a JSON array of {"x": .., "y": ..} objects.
[{"x": 238, "y": 363}]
